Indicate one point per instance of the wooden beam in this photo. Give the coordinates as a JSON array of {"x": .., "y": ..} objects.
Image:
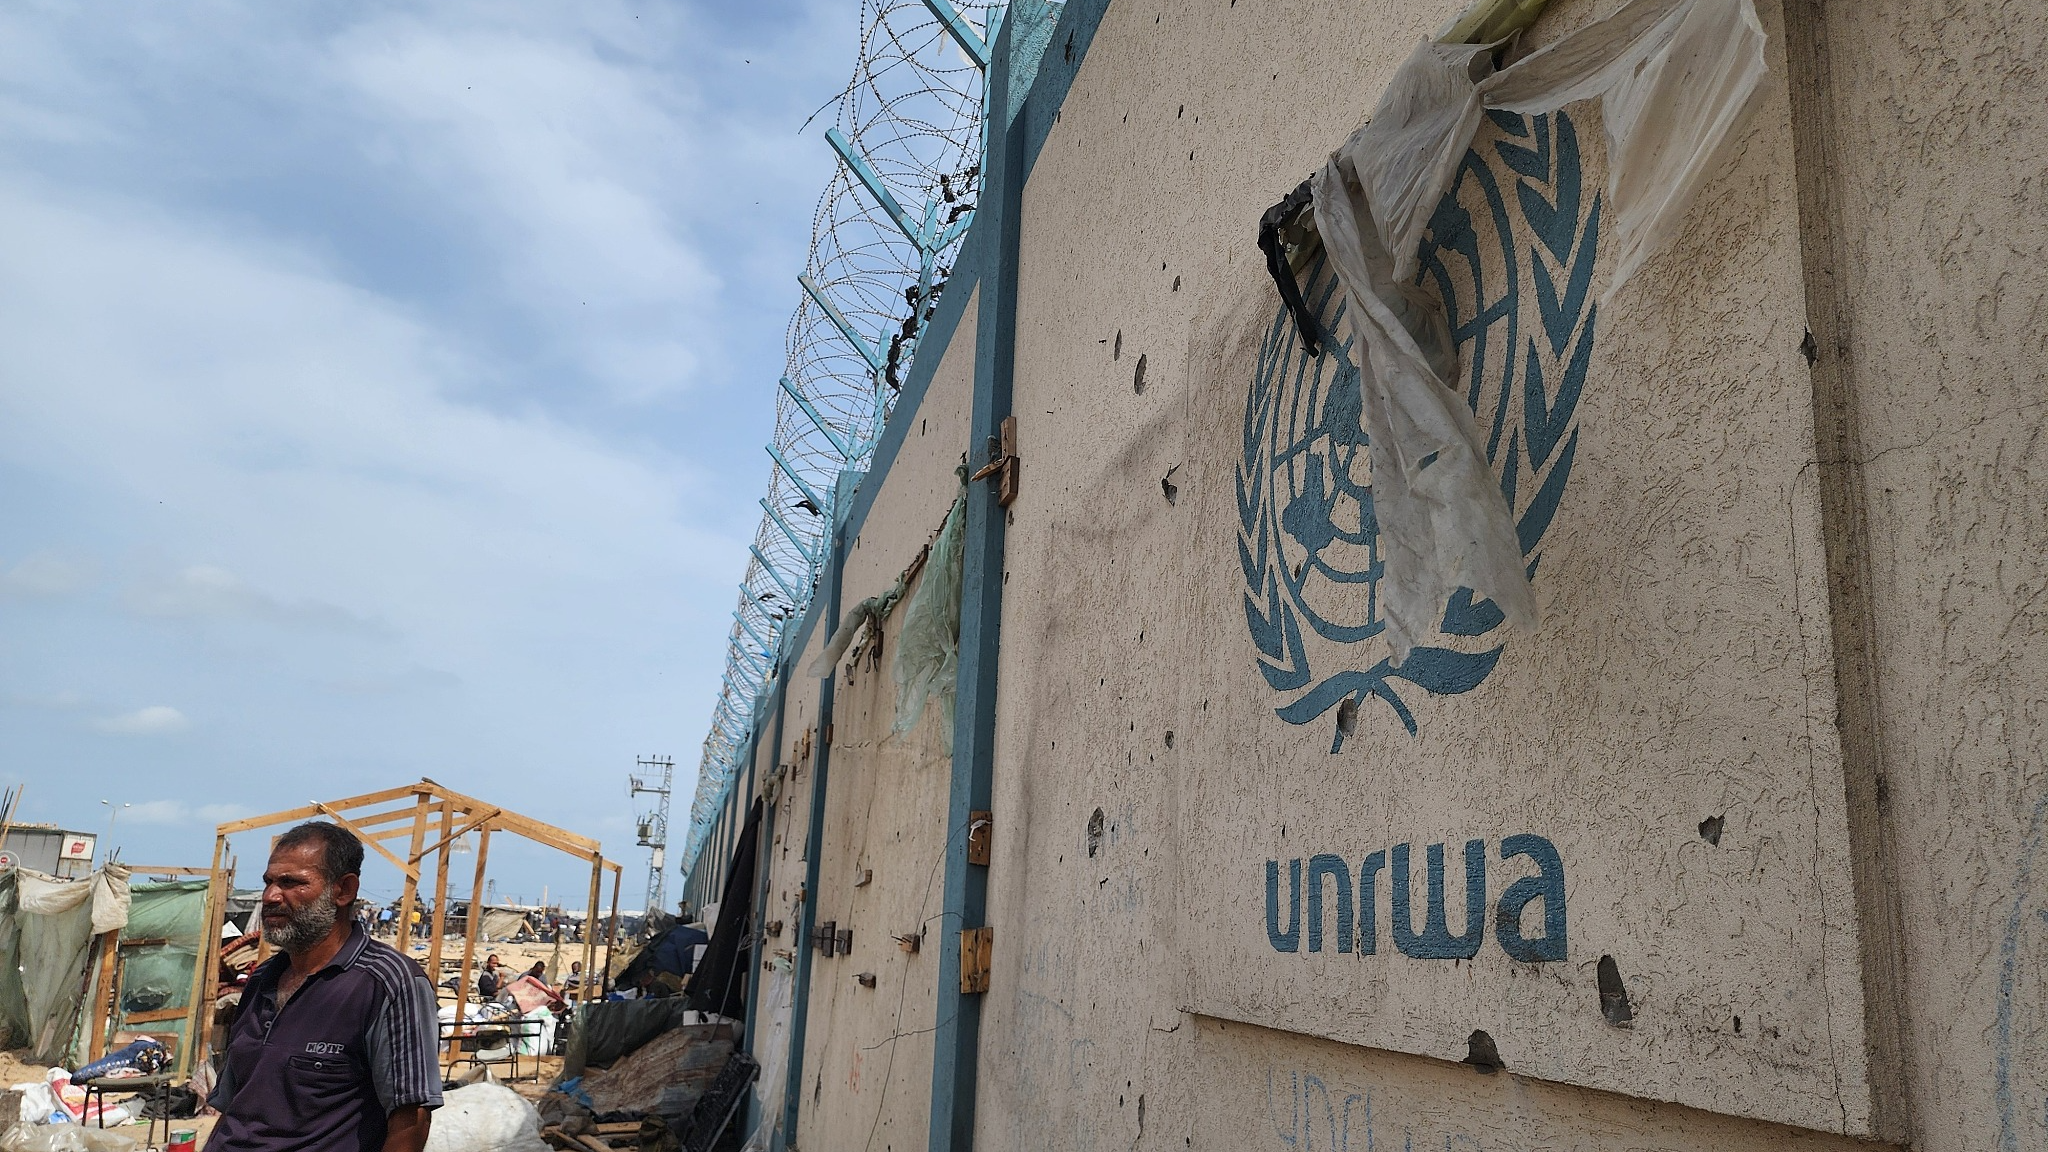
[
  {"x": 440, "y": 901},
  {"x": 409, "y": 869},
  {"x": 391, "y": 816},
  {"x": 410, "y": 899},
  {"x": 590, "y": 927},
  {"x": 475, "y": 923},
  {"x": 103, "y": 993},
  {"x": 307, "y": 813},
  {"x": 457, "y": 834},
  {"x": 200, "y": 1023},
  {"x": 528, "y": 827},
  {"x": 611, "y": 935}
]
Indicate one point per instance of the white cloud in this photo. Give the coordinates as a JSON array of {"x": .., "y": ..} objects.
[
  {"x": 45, "y": 574},
  {"x": 154, "y": 720},
  {"x": 210, "y": 591},
  {"x": 178, "y": 812}
]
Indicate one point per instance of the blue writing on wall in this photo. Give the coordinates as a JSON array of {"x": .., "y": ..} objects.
[
  {"x": 1357, "y": 925},
  {"x": 1369, "y": 903},
  {"x": 1548, "y": 886},
  {"x": 1321, "y": 865},
  {"x": 1290, "y": 940},
  {"x": 1435, "y": 941}
]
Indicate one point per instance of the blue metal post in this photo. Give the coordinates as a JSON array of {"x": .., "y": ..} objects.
[
  {"x": 789, "y": 470},
  {"x": 839, "y": 321},
  {"x": 872, "y": 181},
  {"x": 956, "y": 1044},
  {"x": 795, "y": 540},
  {"x": 804, "y": 402},
  {"x": 814, "y": 836}
]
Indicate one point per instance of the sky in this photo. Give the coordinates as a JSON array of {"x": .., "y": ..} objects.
[{"x": 382, "y": 393}]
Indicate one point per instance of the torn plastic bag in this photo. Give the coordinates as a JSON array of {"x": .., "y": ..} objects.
[
  {"x": 928, "y": 654},
  {"x": 1674, "y": 78}
]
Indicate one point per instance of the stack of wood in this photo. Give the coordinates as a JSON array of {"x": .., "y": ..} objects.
[{"x": 599, "y": 1138}]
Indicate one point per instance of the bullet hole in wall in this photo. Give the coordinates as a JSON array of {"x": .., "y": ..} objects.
[
  {"x": 1183, "y": 110},
  {"x": 1738, "y": 1025},
  {"x": 1809, "y": 349},
  {"x": 1167, "y": 487},
  {"x": 1481, "y": 1053},
  {"x": 1710, "y": 830},
  {"x": 1095, "y": 833},
  {"x": 1347, "y": 716},
  {"x": 1613, "y": 995},
  {"x": 1138, "y": 377},
  {"x": 1176, "y": 283},
  {"x": 1169, "y": 739},
  {"x": 1116, "y": 351}
]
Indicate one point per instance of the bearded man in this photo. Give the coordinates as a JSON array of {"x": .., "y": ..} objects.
[{"x": 335, "y": 1046}]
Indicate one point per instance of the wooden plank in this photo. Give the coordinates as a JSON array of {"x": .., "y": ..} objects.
[
  {"x": 611, "y": 936},
  {"x": 200, "y": 1023},
  {"x": 440, "y": 894},
  {"x": 158, "y": 1016},
  {"x": 527, "y": 826},
  {"x": 307, "y": 813},
  {"x": 474, "y": 923},
  {"x": 103, "y": 992},
  {"x": 410, "y": 897},
  {"x": 409, "y": 869},
  {"x": 977, "y": 948},
  {"x": 590, "y": 981},
  {"x": 458, "y": 834}
]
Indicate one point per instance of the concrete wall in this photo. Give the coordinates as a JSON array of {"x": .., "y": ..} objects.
[{"x": 1769, "y": 774}]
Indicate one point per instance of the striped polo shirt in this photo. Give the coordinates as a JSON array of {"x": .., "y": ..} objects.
[{"x": 321, "y": 1074}]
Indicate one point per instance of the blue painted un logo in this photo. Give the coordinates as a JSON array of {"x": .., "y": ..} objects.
[{"x": 1308, "y": 541}]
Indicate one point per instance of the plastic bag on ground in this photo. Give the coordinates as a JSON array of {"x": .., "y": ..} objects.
[
  {"x": 1674, "y": 78},
  {"x": 63, "y": 1138},
  {"x": 483, "y": 1117}
]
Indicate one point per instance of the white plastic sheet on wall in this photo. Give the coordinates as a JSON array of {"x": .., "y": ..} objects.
[{"x": 1674, "y": 78}]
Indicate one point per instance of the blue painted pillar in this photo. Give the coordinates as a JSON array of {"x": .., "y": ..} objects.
[
  {"x": 956, "y": 1043},
  {"x": 814, "y": 837}
]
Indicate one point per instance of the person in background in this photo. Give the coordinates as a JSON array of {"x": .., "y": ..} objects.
[
  {"x": 575, "y": 977},
  {"x": 539, "y": 972},
  {"x": 490, "y": 980},
  {"x": 335, "y": 1048}
]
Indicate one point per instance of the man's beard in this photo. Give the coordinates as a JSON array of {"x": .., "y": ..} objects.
[{"x": 306, "y": 926}]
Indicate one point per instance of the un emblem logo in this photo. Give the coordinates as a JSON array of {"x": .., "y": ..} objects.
[{"x": 1516, "y": 226}]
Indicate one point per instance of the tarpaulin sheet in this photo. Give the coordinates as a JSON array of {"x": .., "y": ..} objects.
[
  {"x": 1674, "y": 78},
  {"x": 604, "y": 1030},
  {"x": 56, "y": 921},
  {"x": 157, "y": 976}
]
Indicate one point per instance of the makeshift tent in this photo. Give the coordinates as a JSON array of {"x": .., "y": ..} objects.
[
  {"x": 44, "y": 947},
  {"x": 148, "y": 975}
]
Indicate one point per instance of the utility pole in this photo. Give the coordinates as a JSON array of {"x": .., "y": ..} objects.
[{"x": 654, "y": 826}]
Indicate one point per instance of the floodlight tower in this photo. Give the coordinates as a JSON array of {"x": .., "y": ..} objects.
[{"x": 654, "y": 826}]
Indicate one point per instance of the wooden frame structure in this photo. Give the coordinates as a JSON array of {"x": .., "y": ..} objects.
[{"x": 411, "y": 814}]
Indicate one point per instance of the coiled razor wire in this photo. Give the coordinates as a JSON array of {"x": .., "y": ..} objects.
[{"x": 908, "y": 128}]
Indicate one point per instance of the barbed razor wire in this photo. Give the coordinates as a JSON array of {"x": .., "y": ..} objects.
[{"x": 908, "y": 132}]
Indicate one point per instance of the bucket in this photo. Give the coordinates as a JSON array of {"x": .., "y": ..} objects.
[{"x": 182, "y": 1140}]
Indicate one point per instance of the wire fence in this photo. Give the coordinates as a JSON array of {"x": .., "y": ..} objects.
[{"x": 908, "y": 127}]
